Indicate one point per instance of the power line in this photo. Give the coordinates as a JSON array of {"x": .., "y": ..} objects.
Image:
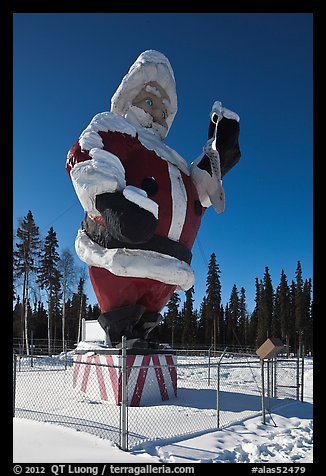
[{"x": 59, "y": 216}]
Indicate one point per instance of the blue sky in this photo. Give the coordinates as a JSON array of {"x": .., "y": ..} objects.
[{"x": 67, "y": 67}]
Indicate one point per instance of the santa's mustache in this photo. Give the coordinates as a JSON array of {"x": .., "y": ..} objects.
[{"x": 138, "y": 116}]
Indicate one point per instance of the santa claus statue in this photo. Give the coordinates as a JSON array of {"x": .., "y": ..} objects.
[{"x": 143, "y": 203}]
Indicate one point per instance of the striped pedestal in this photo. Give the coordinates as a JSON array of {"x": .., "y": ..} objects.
[{"x": 150, "y": 378}]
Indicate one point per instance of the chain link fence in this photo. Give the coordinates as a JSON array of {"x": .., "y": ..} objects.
[
  {"x": 44, "y": 391},
  {"x": 251, "y": 386},
  {"x": 201, "y": 391}
]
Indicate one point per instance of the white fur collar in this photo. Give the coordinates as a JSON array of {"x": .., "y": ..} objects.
[{"x": 110, "y": 121}]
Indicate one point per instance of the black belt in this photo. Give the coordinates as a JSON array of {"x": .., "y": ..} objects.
[{"x": 161, "y": 244}]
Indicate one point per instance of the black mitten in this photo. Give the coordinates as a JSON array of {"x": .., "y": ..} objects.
[
  {"x": 125, "y": 220},
  {"x": 227, "y": 142}
]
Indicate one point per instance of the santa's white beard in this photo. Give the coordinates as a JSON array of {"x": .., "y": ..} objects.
[{"x": 139, "y": 117}]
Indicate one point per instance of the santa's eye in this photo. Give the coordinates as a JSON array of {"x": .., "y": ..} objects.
[
  {"x": 163, "y": 115},
  {"x": 149, "y": 102}
]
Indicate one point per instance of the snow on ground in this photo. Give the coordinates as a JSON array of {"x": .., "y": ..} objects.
[
  {"x": 247, "y": 442},
  {"x": 286, "y": 438},
  {"x": 40, "y": 442}
]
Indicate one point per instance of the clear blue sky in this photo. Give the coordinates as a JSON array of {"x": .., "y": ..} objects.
[{"x": 67, "y": 67}]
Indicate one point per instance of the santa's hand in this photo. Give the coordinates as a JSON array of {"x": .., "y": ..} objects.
[
  {"x": 130, "y": 216},
  {"x": 225, "y": 123}
]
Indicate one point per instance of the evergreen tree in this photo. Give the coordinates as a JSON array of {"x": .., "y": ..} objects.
[
  {"x": 276, "y": 319},
  {"x": 96, "y": 311},
  {"x": 222, "y": 339},
  {"x": 92, "y": 312},
  {"x": 283, "y": 292},
  {"x": 40, "y": 319},
  {"x": 214, "y": 319},
  {"x": 293, "y": 340},
  {"x": 307, "y": 309},
  {"x": 72, "y": 318},
  {"x": 299, "y": 305},
  {"x": 49, "y": 276},
  {"x": 68, "y": 274},
  {"x": 17, "y": 313},
  {"x": 227, "y": 324},
  {"x": 25, "y": 263},
  {"x": 189, "y": 334},
  {"x": 253, "y": 321},
  {"x": 82, "y": 304},
  {"x": 233, "y": 318},
  {"x": 57, "y": 312},
  {"x": 89, "y": 313},
  {"x": 309, "y": 341},
  {"x": 243, "y": 318},
  {"x": 202, "y": 322},
  {"x": 265, "y": 308},
  {"x": 261, "y": 327},
  {"x": 171, "y": 319},
  {"x": 268, "y": 302}
]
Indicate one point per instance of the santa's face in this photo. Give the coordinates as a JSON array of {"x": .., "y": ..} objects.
[{"x": 153, "y": 100}]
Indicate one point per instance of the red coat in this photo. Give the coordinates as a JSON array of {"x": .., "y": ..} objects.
[{"x": 141, "y": 156}]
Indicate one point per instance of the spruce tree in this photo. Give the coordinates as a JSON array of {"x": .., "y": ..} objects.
[
  {"x": 57, "y": 312},
  {"x": 17, "y": 313},
  {"x": 96, "y": 311},
  {"x": 253, "y": 321},
  {"x": 171, "y": 318},
  {"x": 268, "y": 302},
  {"x": 82, "y": 303},
  {"x": 49, "y": 276},
  {"x": 307, "y": 309},
  {"x": 25, "y": 263},
  {"x": 310, "y": 309},
  {"x": 89, "y": 312},
  {"x": 72, "y": 317},
  {"x": 276, "y": 319},
  {"x": 68, "y": 273},
  {"x": 284, "y": 310},
  {"x": 233, "y": 318},
  {"x": 70, "y": 324},
  {"x": 40, "y": 319},
  {"x": 243, "y": 318},
  {"x": 189, "y": 333},
  {"x": 264, "y": 308},
  {"x": 214, "y": 319},
  {"x": 261, "y": 326},
  {"x": 293, "y": 340},
  {"x": 202, "y": 322},
  {"x": 299, "y": 305}
]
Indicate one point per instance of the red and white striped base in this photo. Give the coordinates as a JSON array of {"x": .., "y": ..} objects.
[{"x": 150, "y": 378}]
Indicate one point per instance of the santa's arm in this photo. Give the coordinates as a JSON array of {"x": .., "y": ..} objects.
[
  {"x": 220, "y": 154},
  {"x": 98, "y": 177}
]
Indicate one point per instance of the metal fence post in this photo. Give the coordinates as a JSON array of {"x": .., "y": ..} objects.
[
  {"x": 124, "y": 394},
  {"x": 218, "y": 403},
  {"x": 66, "y": 356},
  {"x": 14, "y": 390},
  {"x": 218, "y": 396},
  {"x": 263, "y": 409},
  {"x": 209, "y": 367},
  {"x": 274, "y": 378},
  {"x": 268, "y": 378},
  {"x": 302, "y": 376},
  {"x": 298, "y": 376},
  {"x": 32, "y": 345}
]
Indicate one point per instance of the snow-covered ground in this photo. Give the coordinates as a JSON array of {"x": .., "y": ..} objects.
[{"x": 286, "y": 437}]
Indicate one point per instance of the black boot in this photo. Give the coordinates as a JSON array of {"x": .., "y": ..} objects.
[
  {"x": 120, "y": 322},
  {"x": 146, "y": 324}
]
